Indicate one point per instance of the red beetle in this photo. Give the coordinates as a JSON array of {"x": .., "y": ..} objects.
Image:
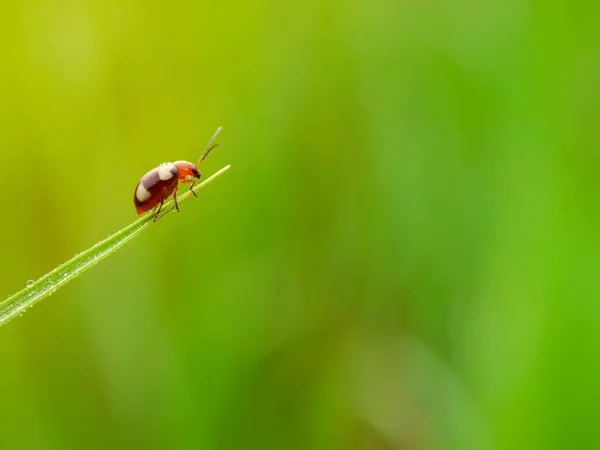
[{"x": 162, "y": 181}]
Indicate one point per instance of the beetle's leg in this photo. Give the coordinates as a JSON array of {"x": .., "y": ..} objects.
[
  {"x": 175, "y": 199},
  {"x": 162, "y": 200},
  {"x": 191, "y": 183}
]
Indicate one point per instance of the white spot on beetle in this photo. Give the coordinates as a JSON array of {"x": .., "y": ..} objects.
[
  {"x": 166, "y": 171},
  {"x": 141, "y": 193}
]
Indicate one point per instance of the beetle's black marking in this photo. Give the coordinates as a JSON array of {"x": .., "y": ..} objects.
[{"x": 150, "y": 179}]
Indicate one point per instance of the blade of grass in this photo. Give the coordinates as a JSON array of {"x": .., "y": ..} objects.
[{"x": 52, "y": 281}]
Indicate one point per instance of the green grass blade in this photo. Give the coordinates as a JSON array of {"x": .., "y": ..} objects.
[{"x": 52, "y": 281}]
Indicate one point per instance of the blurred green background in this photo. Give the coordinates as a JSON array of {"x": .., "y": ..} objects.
[{"x": 404, "y": 254}]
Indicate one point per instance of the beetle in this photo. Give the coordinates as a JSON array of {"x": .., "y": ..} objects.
[{"x": 159, "y": 183}]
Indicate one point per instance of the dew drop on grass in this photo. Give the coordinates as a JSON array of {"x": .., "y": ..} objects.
[{"x": 30, "y": 282}]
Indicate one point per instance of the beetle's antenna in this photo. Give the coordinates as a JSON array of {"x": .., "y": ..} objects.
[{"x": 209, "y": 147}]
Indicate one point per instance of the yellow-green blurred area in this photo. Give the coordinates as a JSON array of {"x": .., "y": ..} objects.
[{"x": 404, "y": 254}]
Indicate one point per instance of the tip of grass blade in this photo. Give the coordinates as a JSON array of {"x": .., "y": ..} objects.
[{"x": 170, "y": 205}]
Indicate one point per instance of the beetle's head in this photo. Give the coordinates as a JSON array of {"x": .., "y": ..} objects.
[{"x": 187, "y": 170}]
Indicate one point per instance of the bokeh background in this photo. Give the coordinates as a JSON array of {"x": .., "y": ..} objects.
[{"x": 404, "y": 254}]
